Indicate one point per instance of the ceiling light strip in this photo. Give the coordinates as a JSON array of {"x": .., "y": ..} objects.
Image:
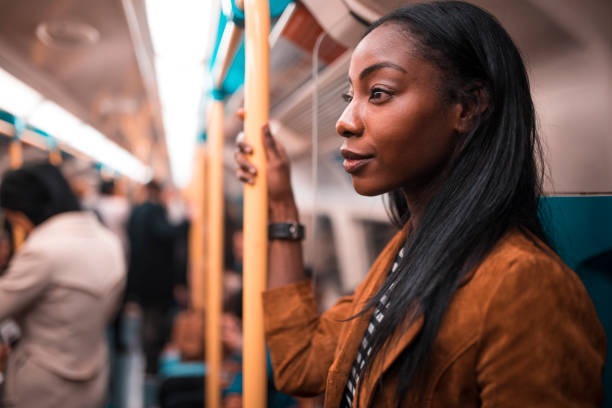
[{"x": 26, "y": 104}]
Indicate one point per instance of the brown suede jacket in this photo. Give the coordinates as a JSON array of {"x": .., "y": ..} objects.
[{"x": 520, "y": 332}]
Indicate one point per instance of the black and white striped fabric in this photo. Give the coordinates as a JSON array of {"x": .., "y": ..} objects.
[{"x": 365, "y": 349}]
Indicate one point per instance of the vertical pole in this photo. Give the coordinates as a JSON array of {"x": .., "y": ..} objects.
[
  {"x": 197, "y": 248},
  {"x": 55, "y": 157},
  {"x": 197, "y": 234},
  {"x": 257, "y": 29},
  {"x": 15, "y": 154},
  {"x": 215, "y": 255}
]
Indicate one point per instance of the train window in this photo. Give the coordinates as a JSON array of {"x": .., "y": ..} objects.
[
  {"x": 377, "y": 234},
  {"x": 321, "y": 260}
]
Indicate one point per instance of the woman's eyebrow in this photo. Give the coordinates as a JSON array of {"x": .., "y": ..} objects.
[{"x": 367, "y": 71}]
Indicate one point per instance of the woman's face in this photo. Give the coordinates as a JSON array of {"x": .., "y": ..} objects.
[{"x": 398, "y": 131}]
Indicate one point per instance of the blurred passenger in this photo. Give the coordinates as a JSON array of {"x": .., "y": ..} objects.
[
  {"x": 151, "y": 277},
  {"x": 61, "y": 286},
  {"x": 113, "y": 209},
  {"x": 232, "y": 340},
  {"x": 6, "y": 245},
  {"x": 182, "y": 365},
  {"x": 467, "y": 306}
]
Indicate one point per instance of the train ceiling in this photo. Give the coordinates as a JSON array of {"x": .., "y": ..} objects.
[
  {"x": 567, "y": 46},
  {"x": 106, "y": 76},
  {"x": 81, "y": 55}
]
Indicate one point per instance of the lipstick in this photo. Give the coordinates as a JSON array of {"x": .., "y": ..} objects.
[{"x": 354, "y": 161}]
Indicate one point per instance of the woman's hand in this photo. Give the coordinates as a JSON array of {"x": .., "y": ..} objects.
[
  {"x": 285, "y": 257},
  {"x": 280, "y": 194}
]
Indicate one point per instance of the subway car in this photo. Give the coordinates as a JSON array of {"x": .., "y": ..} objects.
[{"x": 131, "y": 91}]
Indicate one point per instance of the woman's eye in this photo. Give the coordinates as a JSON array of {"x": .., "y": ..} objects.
[
  {"x": 379, "y": 95},
  {"x": 347, "y": 97}
]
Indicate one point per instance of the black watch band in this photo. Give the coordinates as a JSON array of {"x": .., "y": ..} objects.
[{"x": 291, "y": 231}]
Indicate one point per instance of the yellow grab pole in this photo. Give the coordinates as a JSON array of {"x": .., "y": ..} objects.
[
  {"x": 256, "y": 92},
  {"x": 55, "y": 157},
  {"x": 197, "y": 248},
  {"x": 214, "y": 242},
  {"x": 15, "y": 154}
]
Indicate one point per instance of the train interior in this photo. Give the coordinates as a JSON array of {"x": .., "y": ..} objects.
[{"x": 120, "y": 89}]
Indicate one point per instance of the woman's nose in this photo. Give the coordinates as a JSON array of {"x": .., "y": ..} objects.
[{"x": 349, "y": 124}]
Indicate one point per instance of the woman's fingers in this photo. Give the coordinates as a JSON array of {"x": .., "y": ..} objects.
[
  {"x": 270, "y": 145},
  {"x": 244, "y": 147},
  {"x": 245, "y": 172},
  {"x": 279, "y": 185},
  {"x": 245, "y": 177},
  {"x": 244, "y": 164}
]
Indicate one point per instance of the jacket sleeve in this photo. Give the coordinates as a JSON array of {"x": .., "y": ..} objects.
[
  {"x": 542, "y": 344},
  {"x": 301, "y": 342},
  {"x": 27, "y": 276}
]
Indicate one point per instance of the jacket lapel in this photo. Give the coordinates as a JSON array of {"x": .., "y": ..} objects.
[
  {"x": 401, "y": 339},
  {"x": 350, "y": 338}
]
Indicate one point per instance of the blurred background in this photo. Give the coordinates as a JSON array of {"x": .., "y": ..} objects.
[{"x": 118, "y": 91}]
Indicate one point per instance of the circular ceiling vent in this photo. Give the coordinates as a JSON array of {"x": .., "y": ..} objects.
[{"x": 67, "y": 34}]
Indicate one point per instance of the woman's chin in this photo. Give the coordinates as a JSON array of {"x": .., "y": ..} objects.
[{"x": 366, "y": 189}]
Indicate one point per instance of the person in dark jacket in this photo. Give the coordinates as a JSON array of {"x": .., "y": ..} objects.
[{"x": 151, "y": 279}]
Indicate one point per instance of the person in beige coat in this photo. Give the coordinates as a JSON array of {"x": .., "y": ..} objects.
[{"x": 62, "y": 286}]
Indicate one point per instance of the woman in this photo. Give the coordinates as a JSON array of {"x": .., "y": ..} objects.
[
  {"x": 61, "y": 286},
  {"x": 467, "y": 306}
]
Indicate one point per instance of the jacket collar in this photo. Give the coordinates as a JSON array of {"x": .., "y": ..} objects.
[{"x": 350, "y": 339}]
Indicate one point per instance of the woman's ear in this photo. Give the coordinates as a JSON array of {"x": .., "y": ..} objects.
[{"x": 474, "y": 102}]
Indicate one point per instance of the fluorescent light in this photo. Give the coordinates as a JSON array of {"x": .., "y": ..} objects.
[
  {"x": 179, "y": 29},
  {"x": 65, "y": 127},
  {"x": 179, "y": 83},
  {"x": 183, "y": 34},
  {"x": 51, "y": 118},
  {"x": 180, "y": 88},
  {"x": 24, "y": 102},
  {"x": 16, "y": 97},
  {"x": 112, "y": 155},
  {"x": 227, "y": 7}
]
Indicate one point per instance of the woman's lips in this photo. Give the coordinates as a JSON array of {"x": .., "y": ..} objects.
[
  {"x": 353, "y": 165},
  {"x": 353, "y": 162}
]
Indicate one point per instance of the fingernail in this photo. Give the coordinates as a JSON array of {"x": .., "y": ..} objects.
[
  {"x": 252, "y": 171},
  {"x": 240, "y": 137}
]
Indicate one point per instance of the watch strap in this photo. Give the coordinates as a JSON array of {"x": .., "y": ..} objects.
[{"x": 291, "y": 231}]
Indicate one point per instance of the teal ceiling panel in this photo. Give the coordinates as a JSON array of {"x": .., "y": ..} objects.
[
  {"x": 7, "y": 117},
  {"x": 235, "y": 76}
]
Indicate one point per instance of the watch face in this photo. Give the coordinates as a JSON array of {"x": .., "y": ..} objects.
[{"x": 286, "y": 230}]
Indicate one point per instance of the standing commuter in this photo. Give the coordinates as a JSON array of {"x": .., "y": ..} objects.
[
  {"x": 151, "y": 280},
  {"x": 467, "y": 306},
  {"x": 113, "y": 209},
  {"x": 61, "y": 287}
]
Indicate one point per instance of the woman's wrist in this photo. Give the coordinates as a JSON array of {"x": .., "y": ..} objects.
[{"x": 283, "y": 211}]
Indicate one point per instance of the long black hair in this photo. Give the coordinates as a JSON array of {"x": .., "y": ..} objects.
[
  {"x": 38, "y": 190},
  {"x": 494, "y": 183}
]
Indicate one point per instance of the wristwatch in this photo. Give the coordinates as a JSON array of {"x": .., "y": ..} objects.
[{"x": 291, "y": 231}]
